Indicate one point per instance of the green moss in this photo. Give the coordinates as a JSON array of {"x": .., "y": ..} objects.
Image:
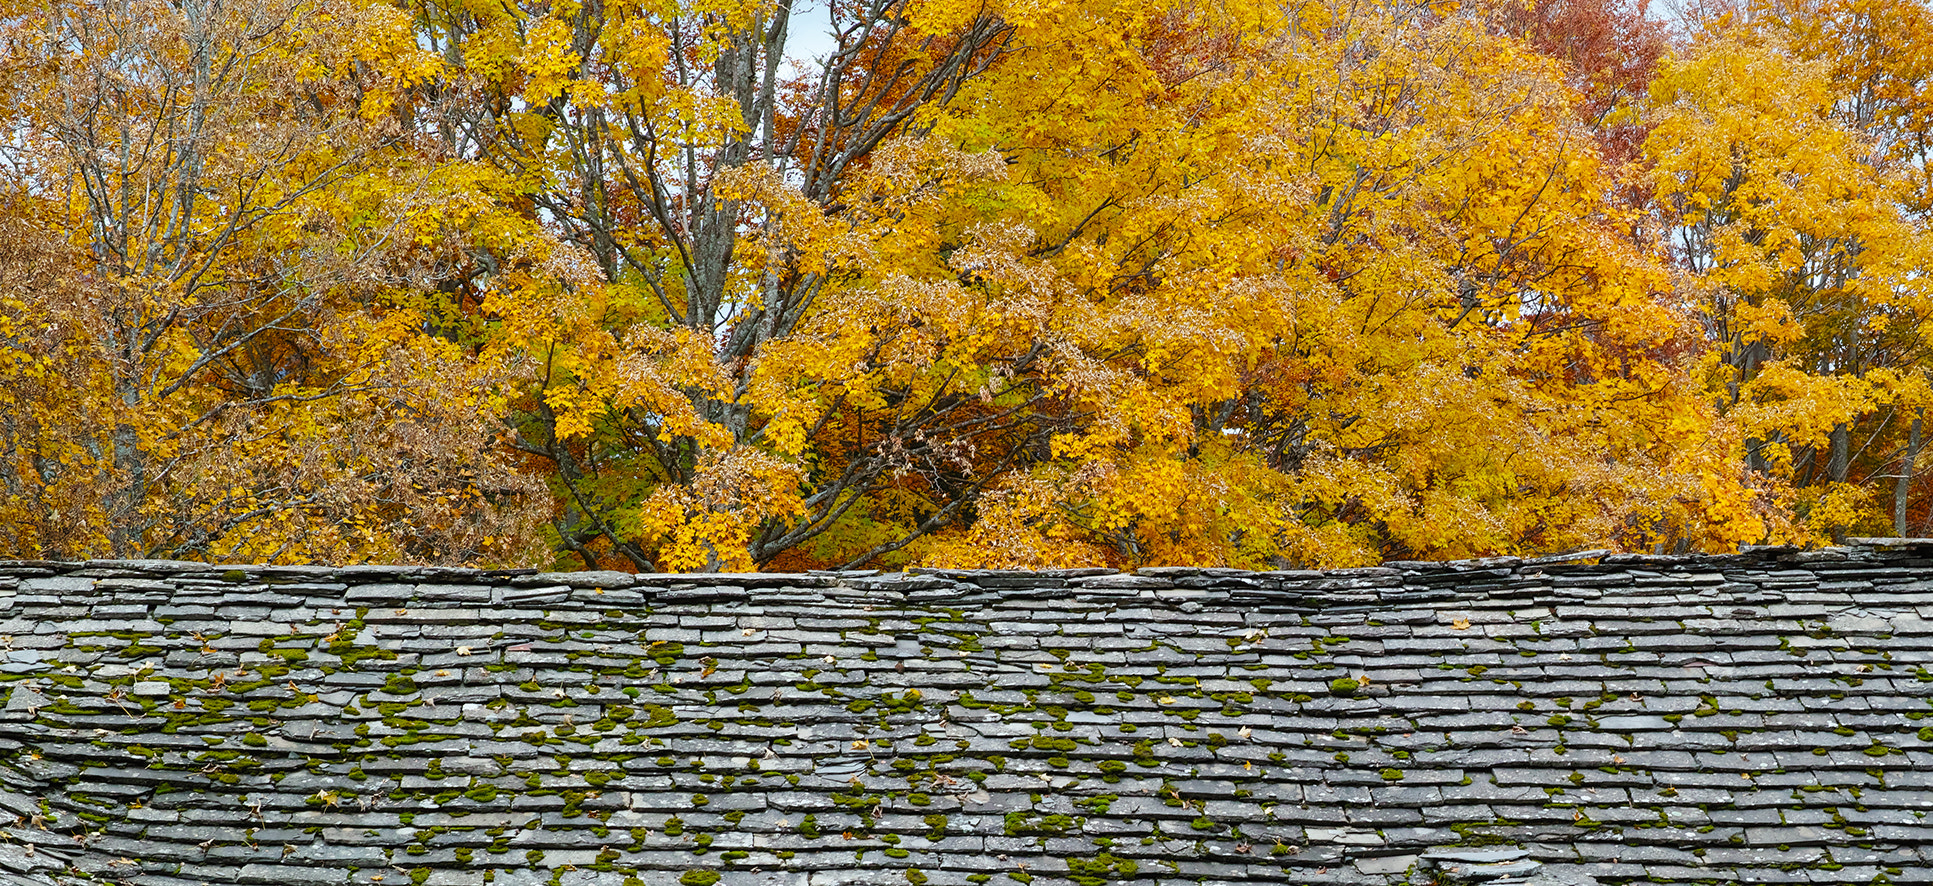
[
  {"x": 1098, "y": 805},
  {"x": 1030, "y": 823},
  {"x": 699, "y": 878},
  {"x": 1101, "y": 869},
  {"x": 666, "y": 653}
]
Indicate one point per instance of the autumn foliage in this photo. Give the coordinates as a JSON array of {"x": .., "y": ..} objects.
[{"x": 966, "y": 283}]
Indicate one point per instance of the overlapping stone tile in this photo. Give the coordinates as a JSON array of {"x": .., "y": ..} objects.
[{"x": 1760, "y": 718}]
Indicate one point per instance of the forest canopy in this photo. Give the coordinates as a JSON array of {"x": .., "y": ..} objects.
[{"x": 636, "y": 284}]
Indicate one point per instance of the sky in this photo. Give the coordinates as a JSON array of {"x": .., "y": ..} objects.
[{"x": 809, "y": 38}]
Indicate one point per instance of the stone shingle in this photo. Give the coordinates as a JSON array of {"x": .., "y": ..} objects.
[{"x": 1748, "y": 718}]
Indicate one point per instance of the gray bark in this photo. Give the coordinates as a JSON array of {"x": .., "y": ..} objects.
[{"x": 1903, "y": 485}]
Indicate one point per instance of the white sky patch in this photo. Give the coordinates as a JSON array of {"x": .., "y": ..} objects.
[{"x": 808, "y": 39}]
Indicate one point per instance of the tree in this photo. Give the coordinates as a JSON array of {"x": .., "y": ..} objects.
[
  {"x": 1159, "y": 281},
  {"x": 1609, "y": 51},
  {"x": 668, "y": 147},
  {"x": 1145, "y": 283},
  {"x": 1796, "y": 241},
  {"x": 217, "y": 332},
  {"x": 1881, "y": 71},
  {"x": 1349, "y": 287}
]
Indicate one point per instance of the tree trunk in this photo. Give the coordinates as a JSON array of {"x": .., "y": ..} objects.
[
  {"x": 1902, "y": 487},
  {"x": 1840, "y": 462}
]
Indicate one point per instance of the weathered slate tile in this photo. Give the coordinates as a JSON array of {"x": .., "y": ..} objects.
[{"x": 853, "y": 727}]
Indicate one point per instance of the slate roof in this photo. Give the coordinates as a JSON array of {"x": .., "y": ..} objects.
[{"x": 1749, "y": 718}]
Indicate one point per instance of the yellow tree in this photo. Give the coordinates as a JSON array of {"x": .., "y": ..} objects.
[
  {"x": 216, "y": 337},
  {"x": 51, "y": 505},
  {"x": 667, "y": 146},
  {"x": 1879, "y": 59},
  {"x": 1135, "y": 283},
  {"x": 1329, "y": 286},
  {"x": 1020, "y": 284},
  {"x": 1788, "y": 210}
]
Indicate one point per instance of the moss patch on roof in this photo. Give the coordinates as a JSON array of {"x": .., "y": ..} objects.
[{"x": 1613, "y": 719}]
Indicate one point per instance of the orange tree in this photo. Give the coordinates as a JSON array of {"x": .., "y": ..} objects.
[{"x": 214, "y": 344}]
